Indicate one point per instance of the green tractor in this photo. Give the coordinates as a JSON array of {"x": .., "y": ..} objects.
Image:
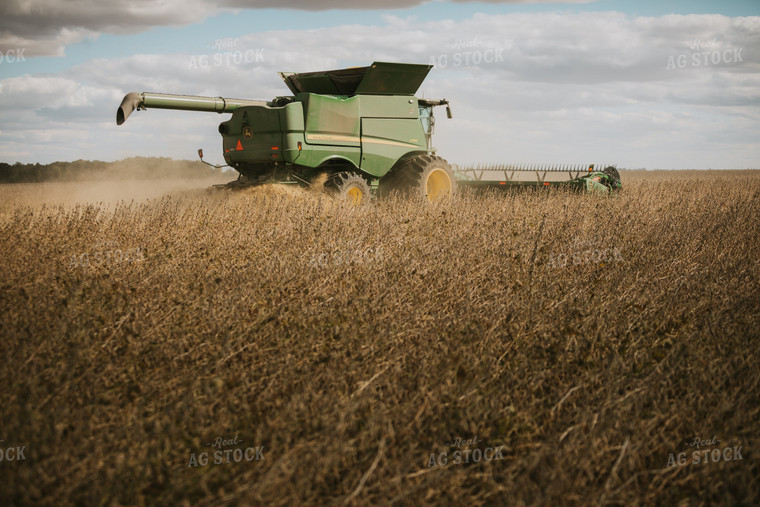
[{"x": 360, "y": 129}]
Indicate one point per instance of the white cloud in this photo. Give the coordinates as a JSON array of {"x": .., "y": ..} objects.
[
  {"x": 559, "y": 87},
  {"x": 46, "y": 27}
]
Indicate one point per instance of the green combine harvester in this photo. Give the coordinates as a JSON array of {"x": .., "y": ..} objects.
[{"x": 361, "y": 130}]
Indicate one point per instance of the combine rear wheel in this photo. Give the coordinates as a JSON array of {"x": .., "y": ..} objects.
[
  {"x": 350, "y": 187},
  {"x": 429, "y": 176}
]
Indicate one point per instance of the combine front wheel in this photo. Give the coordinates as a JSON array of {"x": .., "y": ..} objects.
[
  {"x": 613, "y": 178},
  {"x": 350, "y": 187}
]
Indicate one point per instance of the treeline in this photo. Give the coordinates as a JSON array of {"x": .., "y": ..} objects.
[{"x": 134, "y": 168}]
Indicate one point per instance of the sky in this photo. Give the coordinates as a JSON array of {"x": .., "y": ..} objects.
[{"x": 639, "y": 84}]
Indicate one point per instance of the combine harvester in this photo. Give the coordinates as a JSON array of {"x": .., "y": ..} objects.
[{"x": 362, "y": 129}]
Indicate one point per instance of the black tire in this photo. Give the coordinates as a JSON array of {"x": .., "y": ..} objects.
[
  {"x": 614, "y": 175},
  {"x": 428, "y": 176},
  {"x": 349, "y": 187}
]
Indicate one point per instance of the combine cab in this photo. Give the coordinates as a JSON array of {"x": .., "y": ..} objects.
[{"x": 363, "y": 128}]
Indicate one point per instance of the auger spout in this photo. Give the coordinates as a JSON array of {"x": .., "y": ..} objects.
[{"x": 148, "y": 100}]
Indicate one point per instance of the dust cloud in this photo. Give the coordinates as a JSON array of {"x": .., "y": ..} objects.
[{"x": 105, "y": 192}]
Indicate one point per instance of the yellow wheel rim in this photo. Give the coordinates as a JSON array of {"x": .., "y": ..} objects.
[
  {"x": 437, "y": 185},
  {"x": 354, "y": 195}
]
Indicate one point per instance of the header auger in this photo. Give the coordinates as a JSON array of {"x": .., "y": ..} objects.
[{"x": 362, "y": 127}]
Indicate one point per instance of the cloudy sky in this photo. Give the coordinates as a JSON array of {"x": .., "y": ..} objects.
[{"x": 645, "y": 83}]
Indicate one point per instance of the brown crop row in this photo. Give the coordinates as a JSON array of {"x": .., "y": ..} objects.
[{"x": 581, "y": 348}]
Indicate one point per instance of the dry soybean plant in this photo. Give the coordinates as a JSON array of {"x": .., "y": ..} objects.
[{"x": 347, "y": 345}]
